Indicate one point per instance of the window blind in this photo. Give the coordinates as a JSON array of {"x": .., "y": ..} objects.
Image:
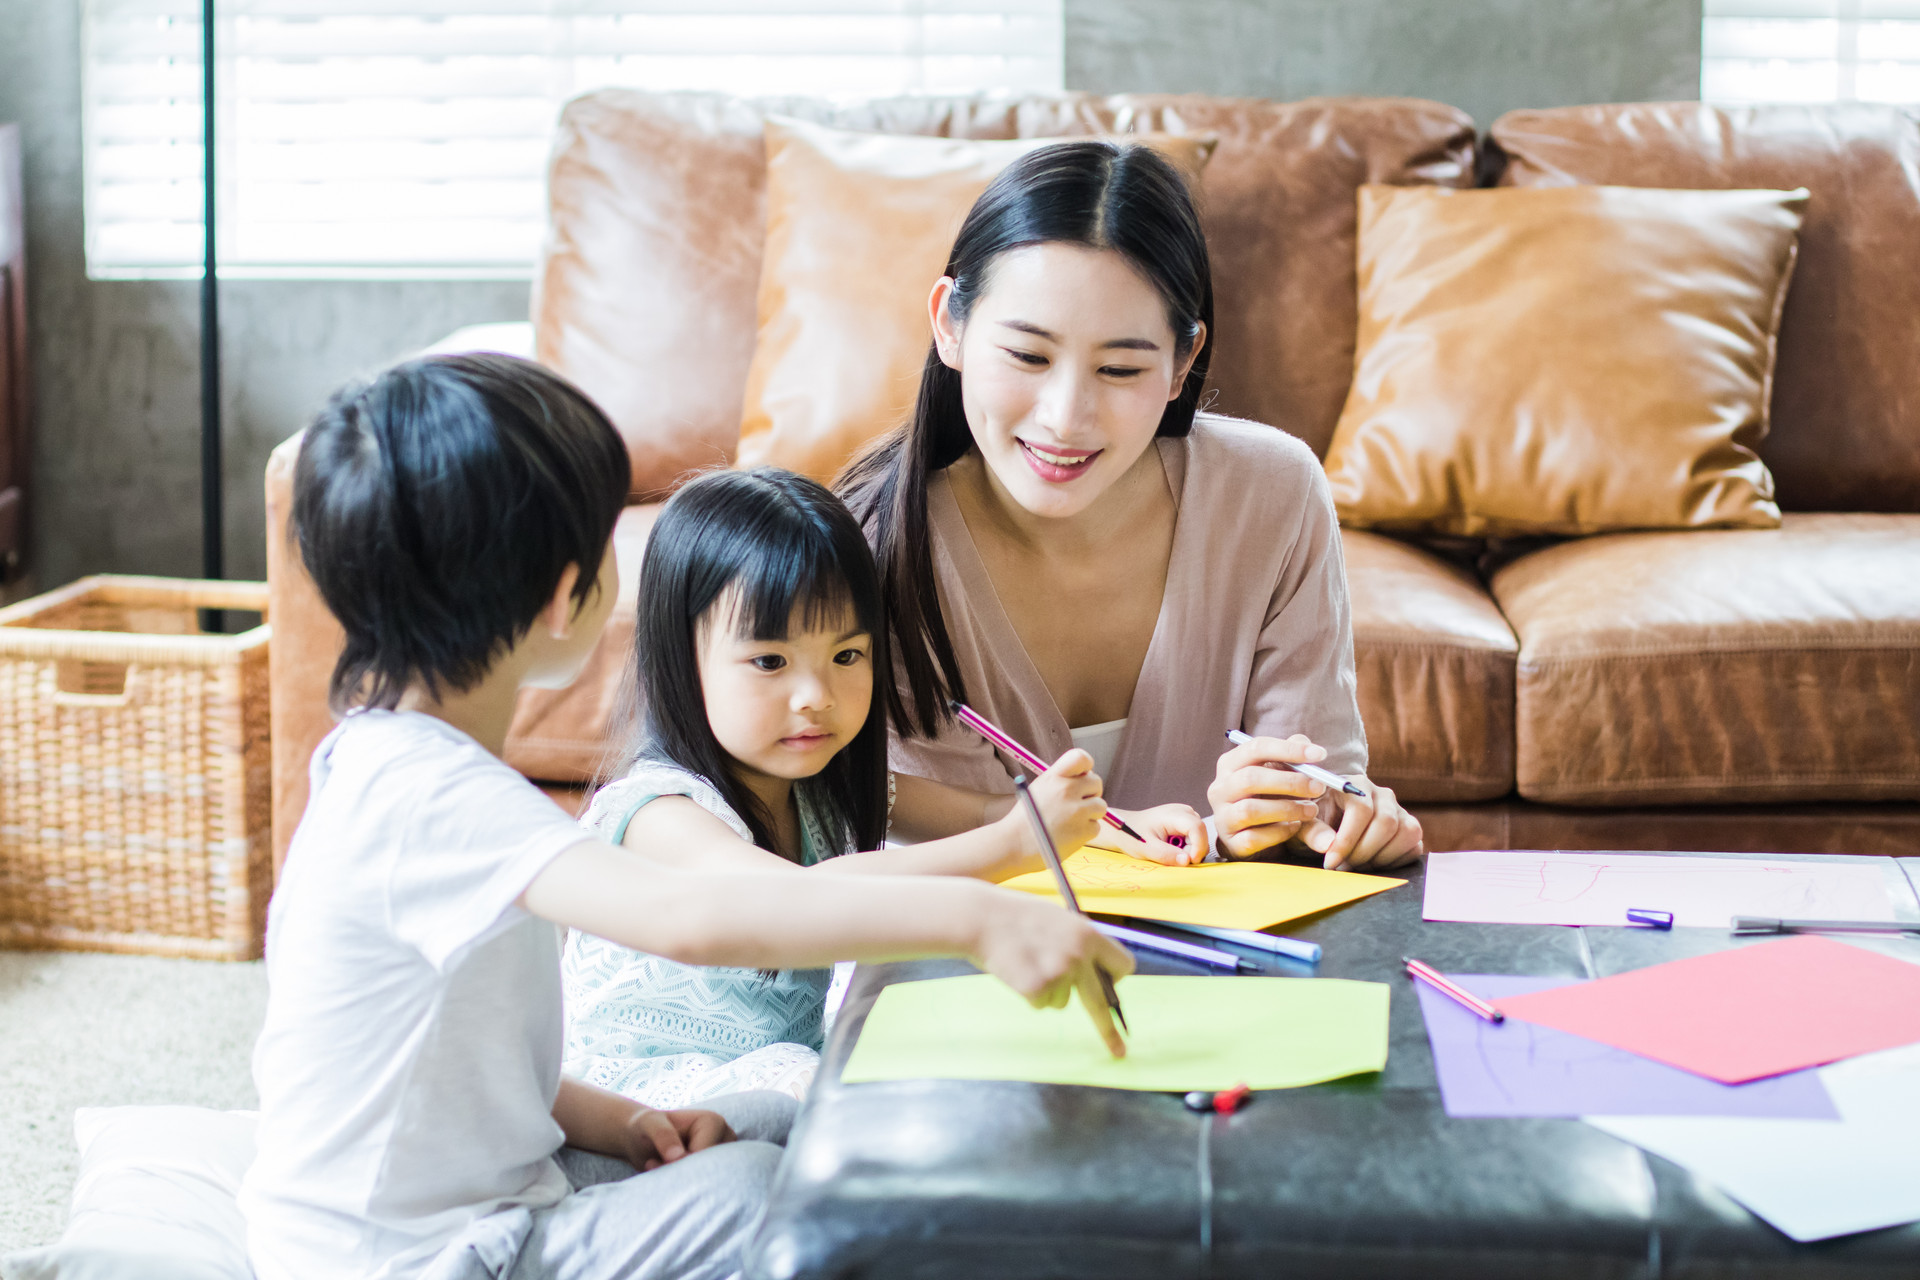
[
  {"x": 409, "y": 137},
  {"x": 1810, "y": 51}
]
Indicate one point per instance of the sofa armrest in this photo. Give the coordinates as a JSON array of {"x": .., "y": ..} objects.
[{"x": 306, "y": 642}]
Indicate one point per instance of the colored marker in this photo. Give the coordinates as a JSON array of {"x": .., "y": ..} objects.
[
  {"x": 1433, "y": 978},
  {"x": 1292, "y": 948},
  {"x": 1313, "y": 771},
  {"x": 1647, "y": 918},
  {"x": 1173, "y": 947},
  {"x": 985, "y": 728},
  {"x": 1228, "y": 1101},
  {"x": 1060, "y": 881}
]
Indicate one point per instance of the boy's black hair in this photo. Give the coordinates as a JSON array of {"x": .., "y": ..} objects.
[
  {"x": 769, "y": 540},
  {"x": 437, "y": 506}
]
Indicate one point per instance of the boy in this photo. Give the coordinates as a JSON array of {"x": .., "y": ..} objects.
[{"x": 456, "y": 515}]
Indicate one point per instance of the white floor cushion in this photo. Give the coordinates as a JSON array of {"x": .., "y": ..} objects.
[{"x": 155, "y": 1199}]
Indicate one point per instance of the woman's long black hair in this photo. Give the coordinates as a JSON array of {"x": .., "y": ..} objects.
[
  {"x": 1095, "y": 193},
  {"x": 771, "y": 540}
]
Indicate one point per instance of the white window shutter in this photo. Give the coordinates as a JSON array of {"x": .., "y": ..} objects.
[
  {"x": 397, "y": 138},
  {"x": 1810, "y": 51}
]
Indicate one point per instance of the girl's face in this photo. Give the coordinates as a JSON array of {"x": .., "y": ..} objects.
[
  {"x": 1067, "y": 363},
  {"x": 784, "y": 708}
]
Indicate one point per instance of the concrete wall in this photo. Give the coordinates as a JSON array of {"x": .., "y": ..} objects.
[
  {"x": 1483, "y": 56},
  {"x": 116, "y": 363}
]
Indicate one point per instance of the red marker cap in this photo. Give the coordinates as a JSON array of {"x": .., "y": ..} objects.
[{"x": 1228, "y": 1101}]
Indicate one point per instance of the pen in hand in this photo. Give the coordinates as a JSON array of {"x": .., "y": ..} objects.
[
  {"x": 1051, "y": 856},
  {"x": 1314, "y": 771},
  {"x": 967, "y": 716}
]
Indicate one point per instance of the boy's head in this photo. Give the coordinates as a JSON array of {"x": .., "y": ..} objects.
[{"x": 438, "y": 508}]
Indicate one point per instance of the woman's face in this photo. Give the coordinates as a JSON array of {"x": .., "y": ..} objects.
[{"x": 1067, "y": 363}]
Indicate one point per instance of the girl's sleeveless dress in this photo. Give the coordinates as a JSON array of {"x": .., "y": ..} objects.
[{"x": 673, "y": 1035}]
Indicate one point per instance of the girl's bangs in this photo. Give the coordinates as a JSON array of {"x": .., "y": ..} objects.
[{"x": 804, "y": 572}]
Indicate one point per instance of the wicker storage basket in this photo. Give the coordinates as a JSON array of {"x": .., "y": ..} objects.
[{"x": 134, "y": 771}]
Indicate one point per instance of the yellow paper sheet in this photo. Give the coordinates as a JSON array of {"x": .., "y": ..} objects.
[
  {"x": 1227, "y": 895},
  {"x": 1188, "y": 1033}
]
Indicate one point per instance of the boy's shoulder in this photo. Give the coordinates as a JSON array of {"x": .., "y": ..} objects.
[{"x": 383, "y": 781}]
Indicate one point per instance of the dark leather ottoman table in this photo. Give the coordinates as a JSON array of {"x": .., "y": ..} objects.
[{"x": 1363, "y": 1177}]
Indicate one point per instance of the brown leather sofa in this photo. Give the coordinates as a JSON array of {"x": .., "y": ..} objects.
[{"x": 1736, "y": 690}]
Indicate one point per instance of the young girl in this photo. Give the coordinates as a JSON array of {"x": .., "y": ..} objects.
[{"x": 760, "y": 632}]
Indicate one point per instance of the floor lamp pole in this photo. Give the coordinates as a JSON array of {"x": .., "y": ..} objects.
[{"x": 211, "y": 523}]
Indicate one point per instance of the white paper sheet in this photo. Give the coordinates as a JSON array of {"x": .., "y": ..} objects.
[
  {"x": 1525, "y": 887},
  {"x": 1812, "y": 1179}
]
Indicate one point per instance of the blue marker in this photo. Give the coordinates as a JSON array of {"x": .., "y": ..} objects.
[{"x": 1292, "y": 948}]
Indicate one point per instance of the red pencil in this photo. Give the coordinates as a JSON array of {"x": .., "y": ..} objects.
[
  {"x": 1433, "y": 978},
  {"x": 985, "y": 728}
]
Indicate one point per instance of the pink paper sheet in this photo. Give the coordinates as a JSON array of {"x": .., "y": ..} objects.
[{"x": 1744, "y": 1013}]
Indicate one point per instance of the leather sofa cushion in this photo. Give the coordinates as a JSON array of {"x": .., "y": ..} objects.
[
  {"x": 645, "y": 295},
  {"x": 1435, "y": 664},
  {"x": 859, "y": 226},
  {"x": 1845, "y": 433},
  {"x": 1562, "y": 360},
  {"x": 1720, "y": 666}
]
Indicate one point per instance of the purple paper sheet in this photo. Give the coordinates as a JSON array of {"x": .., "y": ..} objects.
[{"x": 1519, "y": 1069}]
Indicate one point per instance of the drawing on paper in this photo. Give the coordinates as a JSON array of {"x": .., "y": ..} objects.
[{"x": 1531, "y": 887}]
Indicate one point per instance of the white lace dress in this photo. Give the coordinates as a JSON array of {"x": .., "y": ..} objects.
[{"x": 674, "y": 1035}]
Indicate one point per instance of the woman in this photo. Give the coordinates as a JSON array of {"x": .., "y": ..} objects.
[{"x": 1066, "y": 545}]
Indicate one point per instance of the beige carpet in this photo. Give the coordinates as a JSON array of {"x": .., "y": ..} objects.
[{"x": 98, "y": 1030}]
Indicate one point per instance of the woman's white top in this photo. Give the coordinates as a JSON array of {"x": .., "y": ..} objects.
[{"x": 1102, "y": 742}]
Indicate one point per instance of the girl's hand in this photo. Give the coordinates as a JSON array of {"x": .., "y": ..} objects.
[
  {"x": 1046, "y": 952},
  {"x": 1257, "y": 806},
  {"x": 1068, "y": 794},
  {"x": 1375, "y": 832},
  {"x": 1175, "y": 835},
  {"x": 654, "y": 1138}
]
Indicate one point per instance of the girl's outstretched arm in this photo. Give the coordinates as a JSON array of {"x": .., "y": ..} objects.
[
  {"x": 943, "y": 815},
  {"x": 760, "y": 920}
]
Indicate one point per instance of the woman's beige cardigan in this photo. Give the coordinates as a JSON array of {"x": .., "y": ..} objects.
[{"x": 1254, "y": 632}]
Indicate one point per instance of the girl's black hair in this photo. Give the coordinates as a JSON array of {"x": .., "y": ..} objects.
[
  {"x": 1095, "y": 193},
  {"x": 437, "y": 506},
  {"x": 769, "y": 540}
]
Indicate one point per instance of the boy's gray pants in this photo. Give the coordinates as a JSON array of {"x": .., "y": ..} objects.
[{"x": 689, "y": 1220}]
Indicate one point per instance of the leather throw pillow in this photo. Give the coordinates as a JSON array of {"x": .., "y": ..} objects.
[
  {"x": 859, "y": 226},
  {"x": 1563, "y": 360}
]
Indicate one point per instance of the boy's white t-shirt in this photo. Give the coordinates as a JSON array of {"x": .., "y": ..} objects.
[{"x": 411, "y": 1054}]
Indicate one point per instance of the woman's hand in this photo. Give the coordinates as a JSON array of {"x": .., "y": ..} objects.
[
  {"x": 1175, "y": 835},
  {"x": 1256, "y": 805},
  {"x": 654, "y": 1138},
  {"x": 1068, "y": 794},
  {"x": 1375, "y": 832},
  {"x": 1046, "y": 953}
]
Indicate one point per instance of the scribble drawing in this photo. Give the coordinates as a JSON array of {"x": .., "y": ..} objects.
[{"x": 1108, "y": 879}]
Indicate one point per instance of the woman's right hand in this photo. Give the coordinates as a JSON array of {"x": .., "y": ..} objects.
[
  {"x": 1256, "y": 806},
  {"x": 1069, "y": 796},
  {"x": 1046, "y": 952}
]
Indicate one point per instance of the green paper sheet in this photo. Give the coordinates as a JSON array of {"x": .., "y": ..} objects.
[{"x": 1188, "y": 1033}]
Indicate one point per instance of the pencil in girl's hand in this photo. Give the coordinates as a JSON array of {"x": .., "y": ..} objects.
[
  {"x": 967, "y": 716},
  {"x": 1052, "y": 857}
]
